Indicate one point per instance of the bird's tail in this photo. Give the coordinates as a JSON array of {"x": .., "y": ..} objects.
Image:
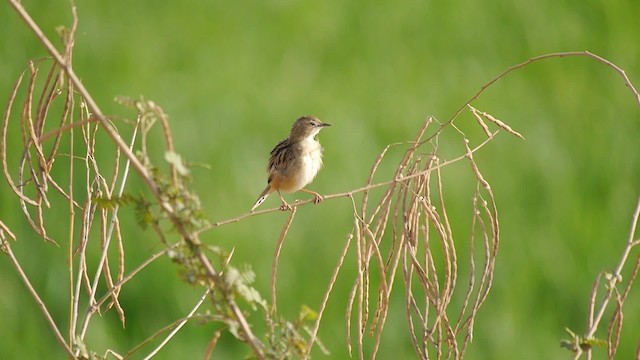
[{"x": 262, "y": 197}]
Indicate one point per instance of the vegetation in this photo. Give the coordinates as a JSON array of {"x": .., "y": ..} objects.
[{"x": 442, "y": 233}]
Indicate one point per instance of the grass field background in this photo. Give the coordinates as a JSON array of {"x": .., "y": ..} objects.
[{"x": 233, "y": 76}]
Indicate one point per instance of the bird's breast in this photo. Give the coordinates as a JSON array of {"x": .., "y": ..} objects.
[{"x": 310, "y": 164}]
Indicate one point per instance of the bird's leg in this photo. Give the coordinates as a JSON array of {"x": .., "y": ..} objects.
[
  {"x": 317, "y": 198},
  {"x": 285, "y": 205}
]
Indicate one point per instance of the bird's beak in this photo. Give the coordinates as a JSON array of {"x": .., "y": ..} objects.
[{"x": 325, "y": 124}]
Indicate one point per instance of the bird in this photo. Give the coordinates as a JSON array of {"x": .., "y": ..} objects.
[{"x": 295, "y": 162}]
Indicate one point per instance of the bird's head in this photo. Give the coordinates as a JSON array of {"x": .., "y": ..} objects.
[{"x": 307, "y": 126}]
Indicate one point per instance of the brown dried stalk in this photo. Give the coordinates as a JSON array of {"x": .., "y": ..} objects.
[
  {"x": 64, "y": 64},
  {"x": 612, "y": 280},
  {"x": 406, "y": 229},
  {"x": 276, "y": 257}
]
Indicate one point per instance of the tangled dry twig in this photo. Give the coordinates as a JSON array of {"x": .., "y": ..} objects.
[{"x": 402, "y": 230}]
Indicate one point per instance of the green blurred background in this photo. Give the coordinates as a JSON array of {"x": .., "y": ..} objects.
[{"x": 234, "y": 75}]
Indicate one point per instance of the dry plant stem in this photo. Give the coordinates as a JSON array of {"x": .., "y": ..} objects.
[
  {"x": 472, "y": 265},
  {"x": 43, "y": 105},
  {"x": 133, "y": 273},
  {"x": 92, "y": 308},
  {"x": 616, "y": 277},
  {"x": 4, "y": 227},
  {"x": 383, "y": 211},
  {"x": 3, "y": 149},
  {"x": 212, "y": 345},
  {"x": 36, "y": 297},
  {"x": 74, "y": 297},
  {"x": 541, "y": 58},
  {"x": 490, "y": 252},
  {"x": 360, "y": 288},
  {"x": 350, "y": 301},
  {"x": 631, "y": 242},
  {"x": 30, "y": 137},
  {"x": 244, "y": 325},
  {"x": 469, "y": 321},
  {"x": 345, "y": 194},
  {"x": 615, "y": 324},
  {"x": 166, "y": 328},
  {"x": 164, "y": 121},
  {"x": 614, "y": 328},
  {"x": 367, "y": 250},
  {"x": 62, "y": 129},
  {"x": 374, "y": 168},
  {"x": 325, "y": 298},
  {"x": 121, "y": 270},
  {"x": 92, "y": 105},
  {"x": 137, "y": 165},
  {"x": 27, "y": 134},
  {"x": 179, "y": 326},
  {"x": 366, "y": 245},
  {"x": 440, "y": 333},
  {"x": 276, "y": 257},
  {"x": 416, "y": 214},
  {"x": 374, "y": 249},
  {"x": 592, "y": 301},
  {"x": 112, "y": 353},
  {"x": 383, "y": 293}
]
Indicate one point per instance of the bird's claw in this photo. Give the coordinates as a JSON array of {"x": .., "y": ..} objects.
[{"x": 285, "y": 206}]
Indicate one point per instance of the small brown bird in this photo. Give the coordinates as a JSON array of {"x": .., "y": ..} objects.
[{"x": 295, "y": 161}]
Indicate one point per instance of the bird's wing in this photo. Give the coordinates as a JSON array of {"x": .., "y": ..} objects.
[{"x": 281, "y": 156}]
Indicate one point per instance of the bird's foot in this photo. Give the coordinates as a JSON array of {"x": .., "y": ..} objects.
[
  {"x": 285, "y": 206},
  {"x": 317, "y": 198}
]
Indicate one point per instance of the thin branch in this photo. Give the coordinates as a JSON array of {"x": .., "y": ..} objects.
[
  {"x": 137, "y": 165},
  {"x": 91, "y": 104},
  {"x": 346, "y": 194},
  {"x": 276, "y": 257},
  {"x": 36, "y": 297},
  {"x": 615, "y": 277},
  {"x": 327, "y": 293},
  {"x": 178, "y": 326}
]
